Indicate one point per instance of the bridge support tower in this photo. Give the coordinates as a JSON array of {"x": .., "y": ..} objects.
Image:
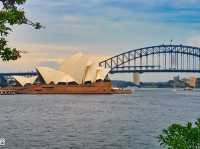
[{"x": 136, "y": 78}]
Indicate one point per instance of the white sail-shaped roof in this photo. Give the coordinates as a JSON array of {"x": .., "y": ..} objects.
[
  {"x": 91, "y": 72},
  {"x": 50, "y": 75},
  {"x": 101, "y": 58},
  {"x": 25, "y": 80},
  {"x": 82, "y": 67},
  {"x": 93, "y": 68},
  {"x": 102, "y": 73},
  {"x": 76, "y": 66}
]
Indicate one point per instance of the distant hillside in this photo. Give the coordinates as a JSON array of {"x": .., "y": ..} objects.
[
  {"x": 122, "y": 84},
  {"x": 167, "y": 84}
]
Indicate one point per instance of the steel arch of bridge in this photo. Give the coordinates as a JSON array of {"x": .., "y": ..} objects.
[
  {"x": 162, "y": 58},
  {"x": 18, "y": 74}
]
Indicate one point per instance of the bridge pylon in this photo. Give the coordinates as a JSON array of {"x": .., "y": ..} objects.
[{"x": 136, "y": 78}]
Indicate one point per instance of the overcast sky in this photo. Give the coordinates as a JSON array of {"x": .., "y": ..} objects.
[{"x": 104, "y": 27}]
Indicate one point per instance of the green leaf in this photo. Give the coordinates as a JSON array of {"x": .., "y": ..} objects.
[
  {"x": 178, "y": 136},
  {"x": 11, "y": 15}
]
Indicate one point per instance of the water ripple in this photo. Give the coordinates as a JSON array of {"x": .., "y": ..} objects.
[{"x": 94, "y": 122}]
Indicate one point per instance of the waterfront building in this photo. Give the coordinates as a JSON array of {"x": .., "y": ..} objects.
[
  {"x": 77, "y": 69},
  {"x": 191, "y": 82},
  {"x": 198, "y": 83}
]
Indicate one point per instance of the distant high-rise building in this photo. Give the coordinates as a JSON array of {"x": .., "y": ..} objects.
[
  {"x": 191, "y": 82},
  {"x": 198, "y": 83}
]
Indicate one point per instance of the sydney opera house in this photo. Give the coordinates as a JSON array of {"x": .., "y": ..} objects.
[
  {"x": 79, "y": 73},
  {"x": 77, "y": 69}
]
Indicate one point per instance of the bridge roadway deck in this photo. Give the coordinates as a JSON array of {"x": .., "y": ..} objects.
[
  {"x": 156, "y": 70},
  {"x": 18, "y": 74}
]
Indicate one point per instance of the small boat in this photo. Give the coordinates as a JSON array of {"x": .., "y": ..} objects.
[
  {"x": 188, "y": 89},
  {"x": 174, "y": 89}
]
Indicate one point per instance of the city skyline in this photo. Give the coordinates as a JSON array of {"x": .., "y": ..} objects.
[{"x": 102, "y": 27}]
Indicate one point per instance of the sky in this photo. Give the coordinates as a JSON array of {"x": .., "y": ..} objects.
[{"x": 102, "y": 27}]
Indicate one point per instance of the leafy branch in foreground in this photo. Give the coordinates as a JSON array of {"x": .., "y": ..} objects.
[
  {"x": 179, "y": 136},
  {"x": 10, "y": 15}
]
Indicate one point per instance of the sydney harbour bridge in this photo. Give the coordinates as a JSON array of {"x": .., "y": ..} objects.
[{"x": 161, "y": 58}]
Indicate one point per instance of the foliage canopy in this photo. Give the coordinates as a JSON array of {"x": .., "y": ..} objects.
[
  {"x": 179, "y": 136},
  {"x": 10, "y": 15}
]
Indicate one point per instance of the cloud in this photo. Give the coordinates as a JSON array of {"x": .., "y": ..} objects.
[
  {"x": 193, "y": 41},
  {"x": 167, "y": 11}
]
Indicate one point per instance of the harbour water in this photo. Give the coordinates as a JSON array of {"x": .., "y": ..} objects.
[{"x": 94, "y": 121}]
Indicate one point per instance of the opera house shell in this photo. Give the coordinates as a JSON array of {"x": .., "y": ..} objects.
[
  {"x": 77, "y": 69},
  {"x": 48, "y": 75},
  {"x": 84, "y": 68},
  {"x": 24, "y": 80}
]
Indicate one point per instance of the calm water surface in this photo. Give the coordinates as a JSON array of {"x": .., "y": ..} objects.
[{"x": 94, "y": 121}]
